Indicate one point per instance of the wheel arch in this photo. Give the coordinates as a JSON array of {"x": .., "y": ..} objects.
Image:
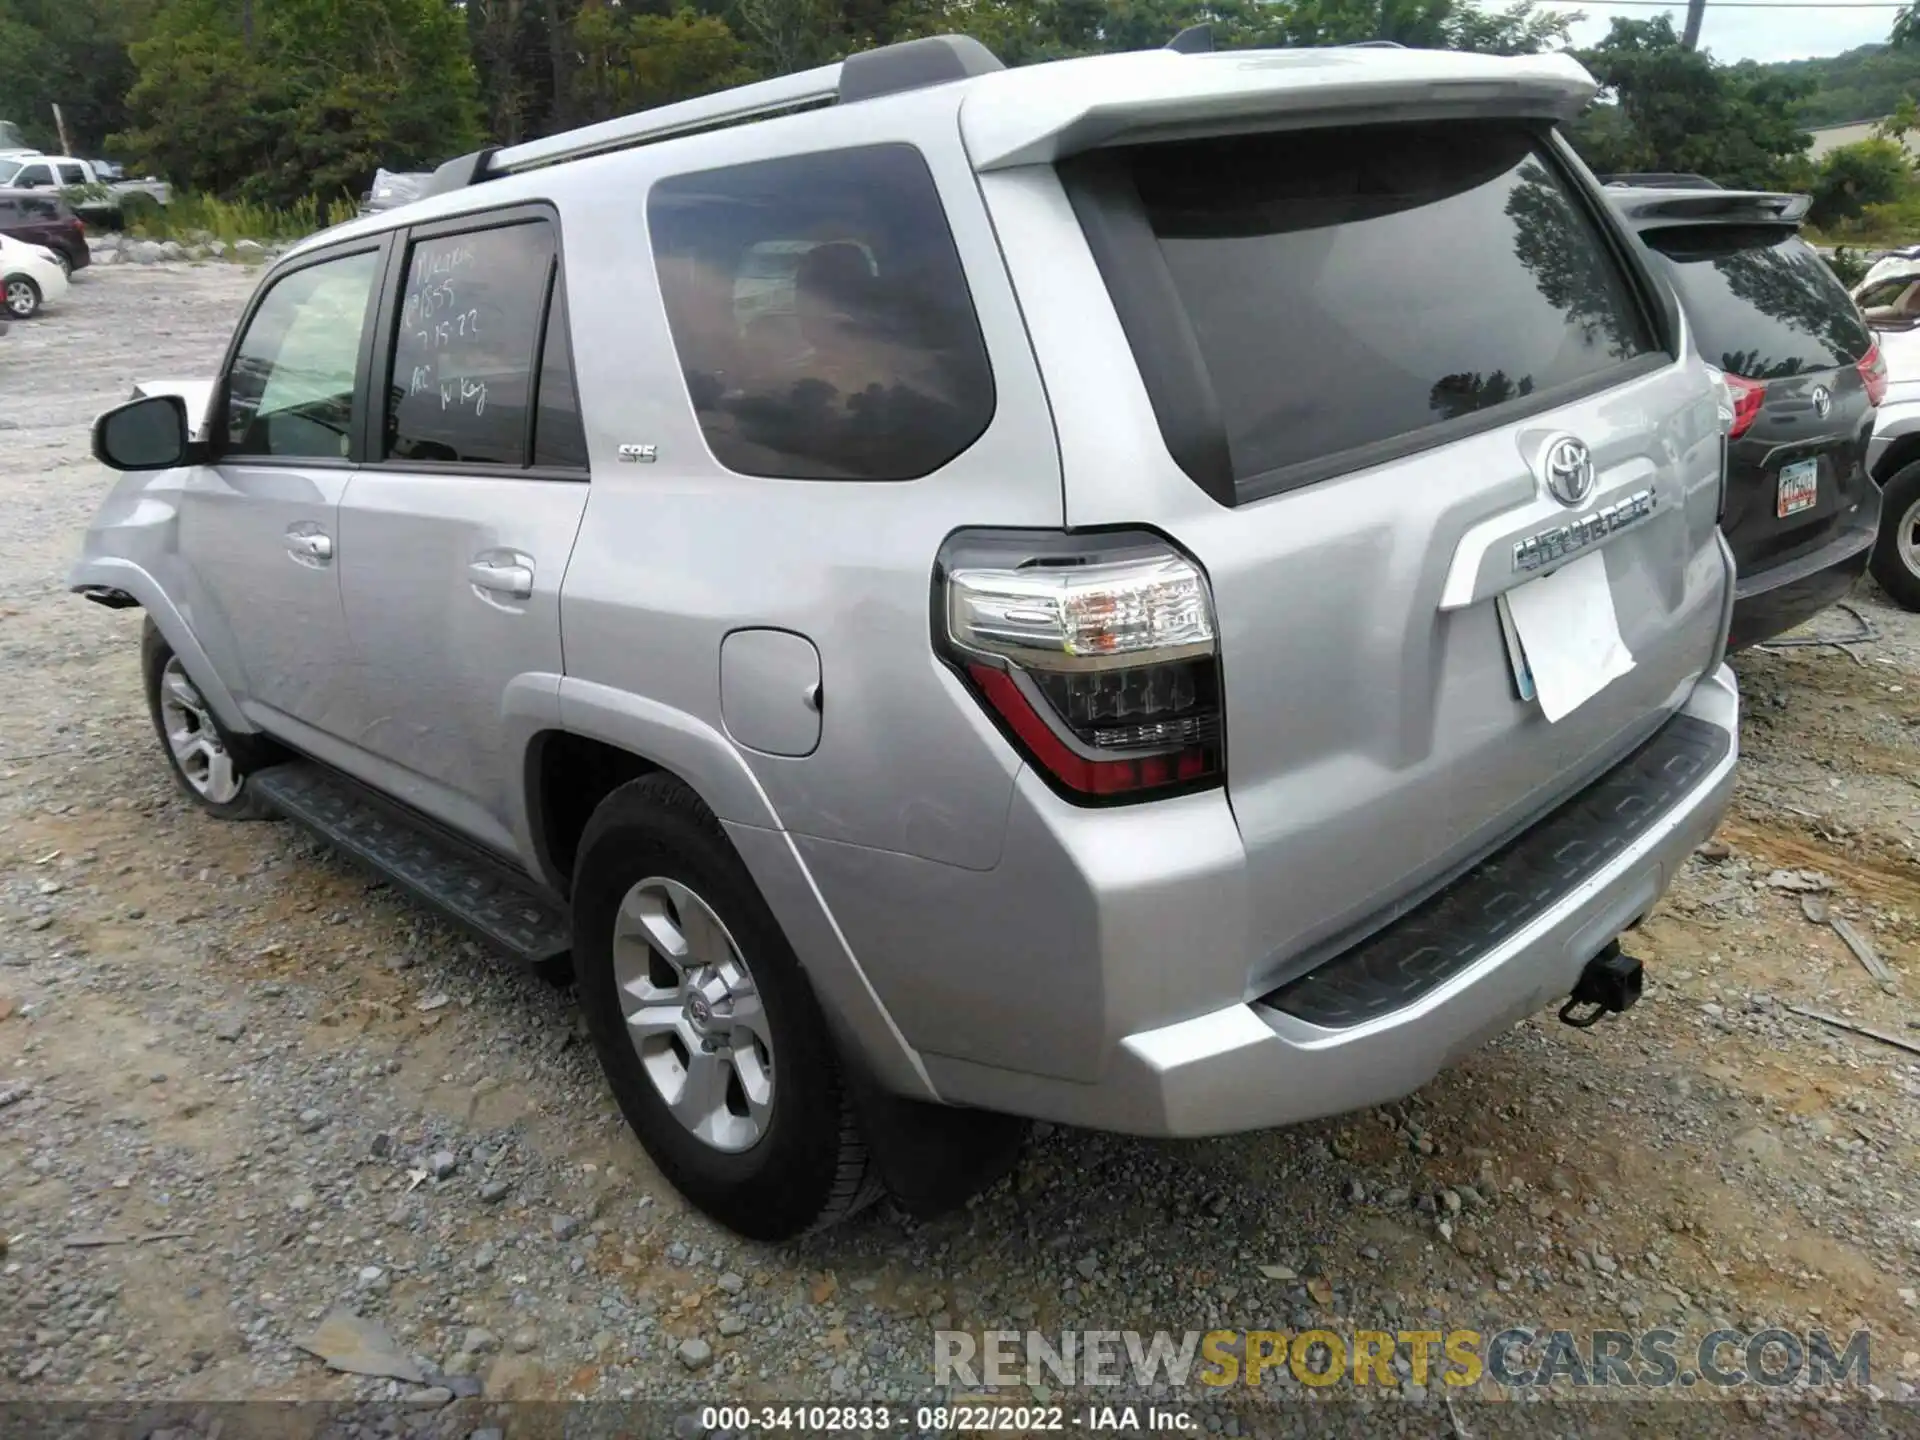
[
  {"x": 606, "y": 737},
  {"x": 113, "y": 574},
  {"x": 610, "y": 737},
  {"x": 1901, "y": 451}
]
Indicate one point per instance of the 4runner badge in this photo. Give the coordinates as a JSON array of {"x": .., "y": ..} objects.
[{"x": 1557, "y": 544}]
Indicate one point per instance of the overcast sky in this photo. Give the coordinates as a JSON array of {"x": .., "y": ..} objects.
[{"x": 1814, "y": 27}]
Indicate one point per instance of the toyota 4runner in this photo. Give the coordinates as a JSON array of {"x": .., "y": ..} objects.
[{"x": 1176, "y": 592}]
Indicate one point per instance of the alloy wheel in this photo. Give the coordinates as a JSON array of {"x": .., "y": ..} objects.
[
  {"x": 194, "y": 740},
  {"x": 21, "y": 299},
  {"x": 1907, "y": 539},
  {"x": 694, "y": 1014}
]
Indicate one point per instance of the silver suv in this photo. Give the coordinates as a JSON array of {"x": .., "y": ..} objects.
[{"x": 1174, "y": 592}]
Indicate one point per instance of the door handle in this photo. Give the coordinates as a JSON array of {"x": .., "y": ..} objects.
[
  {"x": 513, "y": 580},
  {"x": 314, "y": 547}
]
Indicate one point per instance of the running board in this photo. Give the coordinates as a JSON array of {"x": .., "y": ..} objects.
[{"x": 474, "y": 890}]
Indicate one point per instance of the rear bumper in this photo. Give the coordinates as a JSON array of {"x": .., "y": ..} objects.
[
  {"x": 1772, "y": 601},
  {"x": 1262, "y": 1063}
]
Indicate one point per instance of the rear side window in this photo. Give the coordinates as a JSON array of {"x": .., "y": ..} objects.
[
  {"x": 463, "y": 363},
  {"x": 1352, "y": 293},
  {"x": 72, "y": 175},
  {"x": 1761, "y": 302},
  {"x": 821, "y": 315},
  {"x": 559, "y": 439}
]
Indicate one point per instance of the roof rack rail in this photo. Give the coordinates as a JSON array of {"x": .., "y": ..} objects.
[{"x": 888, "y": 70}]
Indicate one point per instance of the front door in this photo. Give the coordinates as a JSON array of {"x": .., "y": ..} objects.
[
  {"x": 259, "y": 526},
  {"x": 454, "y": 540}
]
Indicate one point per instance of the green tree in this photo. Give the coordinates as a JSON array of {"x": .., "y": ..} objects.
[
  {"x": 1903, "y": 121},
  {"x": 275, "y": 102},
  {"x": 72, "y": 53},
  {"x": 1667, "y": 108},
  {"x": 631, "y": 62},
  {"x": 1873, "y": 172}
]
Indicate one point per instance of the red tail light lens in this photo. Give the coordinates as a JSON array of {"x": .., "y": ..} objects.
[
  {"x": 1096, "y": 654},
  {"x": 1748, "y": 397},
  {"x": 1873, "y": 371}
]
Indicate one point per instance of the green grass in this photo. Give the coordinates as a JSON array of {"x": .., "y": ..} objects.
[{"x": 200, "y": 217}]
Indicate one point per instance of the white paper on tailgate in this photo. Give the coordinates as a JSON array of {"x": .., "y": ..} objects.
[{"x": 1570, "y": 633}]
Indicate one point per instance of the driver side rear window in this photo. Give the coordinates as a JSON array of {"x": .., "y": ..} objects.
[{"x": 821, "y": 315}]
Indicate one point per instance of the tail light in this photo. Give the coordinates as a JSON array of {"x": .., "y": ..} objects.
[
  {"x": 1873, "y": 372},
  {"x": 1748, "y": 397},
  {"x": 1096, "y": 654},
  {"x": 79, "y": 226}
]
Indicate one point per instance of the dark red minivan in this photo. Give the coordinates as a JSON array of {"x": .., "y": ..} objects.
[{"x": 39, "y": 218}]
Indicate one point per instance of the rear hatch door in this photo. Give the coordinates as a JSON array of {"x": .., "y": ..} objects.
[
  {"x": 1365, "y": 343},
  {"x": 1766, "y": 310}
]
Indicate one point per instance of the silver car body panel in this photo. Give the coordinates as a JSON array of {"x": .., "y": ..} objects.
[{"x": 973, "y": 936}]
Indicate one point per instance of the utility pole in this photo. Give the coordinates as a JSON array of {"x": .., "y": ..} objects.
[
  {"x": 1696, "y": 12},
  {"x": 60, "y": 124}
]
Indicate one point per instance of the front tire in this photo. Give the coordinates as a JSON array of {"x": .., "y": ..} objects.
[
  {"x": 206, "y": 764},
  {"x": 1896, "y": 551},
  {"x": 22, "y": 297},
  {"x": 706, "y": 1027}
]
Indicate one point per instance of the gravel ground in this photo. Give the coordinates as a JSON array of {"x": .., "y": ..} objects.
[{"x": 321, "y": 1097}]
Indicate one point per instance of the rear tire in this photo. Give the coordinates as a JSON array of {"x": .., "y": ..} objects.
[
  {"x": 709, "y": 1034},
  {"x": 22, "y": 297},
  {"x": 210, "y": 766},
  {"x": 1896, "y": 551}
]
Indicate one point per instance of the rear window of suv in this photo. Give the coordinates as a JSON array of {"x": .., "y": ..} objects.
[
  {"x": 1357, "y": 293},
  {"x": 1761, "y": 302}
]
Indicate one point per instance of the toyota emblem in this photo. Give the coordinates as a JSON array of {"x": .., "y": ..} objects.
[
  {"x": 1822, "y": 401},
  {"x": 1569, "y": 470},
  {"x": 699, "y": 1009}
]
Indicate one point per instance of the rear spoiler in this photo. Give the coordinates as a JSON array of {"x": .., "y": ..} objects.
[
  {"x": 1046, "y": 113},
  {"x": 1729, "y": 207}
]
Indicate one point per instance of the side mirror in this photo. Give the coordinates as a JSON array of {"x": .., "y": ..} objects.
[{"x": 146, "y": 434}]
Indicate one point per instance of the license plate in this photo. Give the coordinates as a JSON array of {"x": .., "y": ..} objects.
[
  {"x": 1563, "y": 636},
  {"x": 1799, "y": 487}
]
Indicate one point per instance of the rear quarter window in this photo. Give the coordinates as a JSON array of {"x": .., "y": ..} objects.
[
  {"x": 1357, "y": 293},
  {"x": 1761, "y": 302},
  {"x": 821, "y": 315}
]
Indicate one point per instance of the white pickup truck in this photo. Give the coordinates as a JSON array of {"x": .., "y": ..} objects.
[{"x": 65, "y": 172}]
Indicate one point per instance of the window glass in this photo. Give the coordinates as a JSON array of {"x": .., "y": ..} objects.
[
  {"x": 290, "y": 391},
  {"x": 1359, "y": 285},
  {"x": 1761, "y": 302},
  {"x": 72, "y": 175},
  {"x": 463, "y": 361},
  {"x": 558, "y": 438},
  {"x": 35, "y": 175},
  {"x": 821, "y": 315},
  {"x": 9, "y": 170}
]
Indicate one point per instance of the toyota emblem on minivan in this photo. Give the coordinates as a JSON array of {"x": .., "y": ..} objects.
[
  {"x": 1822, "y": 401},
  {"x": 1569, "y": 470}
]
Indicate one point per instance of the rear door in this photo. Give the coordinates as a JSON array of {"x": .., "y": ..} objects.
[
  {"x": 1767, "y": 310},
  {"x": 1368, "y": 349},
  {"x": 455, "y": 537}
]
